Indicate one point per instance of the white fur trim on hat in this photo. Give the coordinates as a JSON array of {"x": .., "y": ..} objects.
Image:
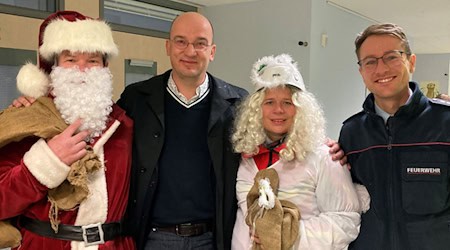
[
  {"x": 32, "y": 81},
  {"x": 271, "y": 71},
  {"x": 79, "y": 36}
]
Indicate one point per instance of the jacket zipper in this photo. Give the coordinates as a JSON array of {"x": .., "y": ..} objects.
[{"x": 391, "y": 214}]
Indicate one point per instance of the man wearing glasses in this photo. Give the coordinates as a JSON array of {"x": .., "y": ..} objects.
[
  {"x": 399, "y": 148},
  {"x": 182, "y": 192}
]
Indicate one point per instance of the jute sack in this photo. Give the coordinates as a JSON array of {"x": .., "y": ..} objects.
[
  {"x": 9, "y": 235},
  {"x": 276, "y": 227}
]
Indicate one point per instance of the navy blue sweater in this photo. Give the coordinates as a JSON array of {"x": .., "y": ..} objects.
[{"x": 184, "y": 165}]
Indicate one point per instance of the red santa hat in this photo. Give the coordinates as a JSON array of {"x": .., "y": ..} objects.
[{"x": 64, "y": 30}]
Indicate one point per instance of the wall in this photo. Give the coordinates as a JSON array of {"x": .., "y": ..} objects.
[
  {"x": 87, "y": 7},
  {"x": 247, "y": 31},
  {"x": 433, "y": 67},
  {"x": 335, "y": 79},
  {"x": 12, "y": 35},
  {"x": 131, "y": 46}
]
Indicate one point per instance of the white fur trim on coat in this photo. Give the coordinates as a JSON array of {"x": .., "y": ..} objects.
[
  {"x": 94, "y": 209},
  {"x": 32, "y": 81},
  {"x": 45, "y": 165},
  {"x": 80, "y": 36}
]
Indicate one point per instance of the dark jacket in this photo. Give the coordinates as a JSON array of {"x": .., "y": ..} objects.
[
  {"x": 144, "y": 103},
  {"x": 405, "y": 166}
]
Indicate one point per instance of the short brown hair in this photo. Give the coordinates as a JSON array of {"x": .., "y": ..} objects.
[{"x": 383, "y": 29}]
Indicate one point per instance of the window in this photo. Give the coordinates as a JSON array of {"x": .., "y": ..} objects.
[
  {"x": 35, "y": 9},
  {"x": 11, "y": 60},
  {"x": 143, "y": 17},
  {"x": 138, "y": 70}
]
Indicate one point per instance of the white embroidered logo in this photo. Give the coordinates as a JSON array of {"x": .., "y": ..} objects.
[{"x": 424, "y": 171}]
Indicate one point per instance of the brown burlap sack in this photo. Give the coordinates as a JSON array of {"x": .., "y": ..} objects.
[
  {"x": 290, "y": 229},
  {"x": 74, "y": 189},
  {"x": 278, "y": 227},
  {"x": 43, "y": 120},
  {"x": 9, "y": 235}
]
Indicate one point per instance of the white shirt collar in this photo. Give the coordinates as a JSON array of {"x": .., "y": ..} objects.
[
  {"x": 385, "y": 115},
  {"x": 200, "y": 93}
]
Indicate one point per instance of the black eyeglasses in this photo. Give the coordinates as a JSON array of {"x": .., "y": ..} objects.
[
  {"x": 391, "y": 58},
  {"x": 182, "y": 43}
]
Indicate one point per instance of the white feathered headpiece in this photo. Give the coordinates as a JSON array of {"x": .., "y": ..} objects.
[{"x": 271, "y": 71}]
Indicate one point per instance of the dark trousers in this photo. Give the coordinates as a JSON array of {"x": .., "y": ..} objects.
[{"x": 170, "y": 241}]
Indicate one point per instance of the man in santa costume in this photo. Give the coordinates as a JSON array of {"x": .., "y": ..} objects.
[{"x": 65, "y": 161}]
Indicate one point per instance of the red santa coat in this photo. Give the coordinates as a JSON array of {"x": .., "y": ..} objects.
[{"x": 28, "y": 169}]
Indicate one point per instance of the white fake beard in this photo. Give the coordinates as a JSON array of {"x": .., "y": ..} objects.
[{"x": 86, "y": 95}]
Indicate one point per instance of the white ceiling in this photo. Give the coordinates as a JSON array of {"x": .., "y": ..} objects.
[{"x": 426, "y": 23}]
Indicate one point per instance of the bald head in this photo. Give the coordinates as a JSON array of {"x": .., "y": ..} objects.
[
  {"x": 192, "y": 21},
  {"x": 191, "y": 49}
]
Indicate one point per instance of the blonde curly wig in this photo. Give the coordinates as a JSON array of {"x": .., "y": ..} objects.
[{"x": 306, "y": 134}]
